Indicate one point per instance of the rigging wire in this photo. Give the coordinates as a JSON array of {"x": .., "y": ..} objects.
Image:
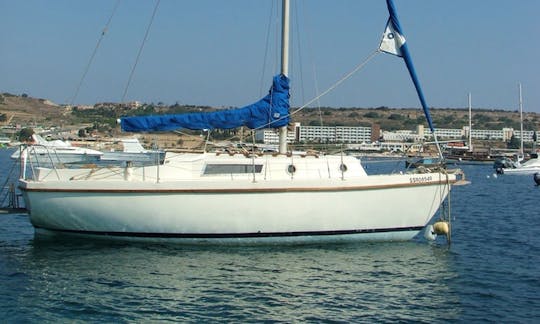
[
  {"x": 314, "y": 70},
  {"x": 4, "y": 186},
  {"x": 331, "y": 88},
  {"x": 317, "y": 91},
  {"x": 445, "y": 213},
  {"x": 267, "y": 42},
  {"x": 140, "y": 50},
  {"x": 336, "y": 84},
  {"x": 87, "y": 68},
  {"x": 298, "y": 47}
]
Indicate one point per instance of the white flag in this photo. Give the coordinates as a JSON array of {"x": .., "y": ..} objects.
[{"x": 391, "y": 41}]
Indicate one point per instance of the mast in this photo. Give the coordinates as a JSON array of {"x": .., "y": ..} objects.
[
  {"x": 284, "y": 66},
  {"x": 521, "y": 121},
  {"x": 470, "y": 123}
]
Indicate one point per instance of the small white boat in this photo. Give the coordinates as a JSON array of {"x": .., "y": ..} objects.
[
  {"x": 530, "y": 166},
  {"x": 217, "y": 197},
  {"x": 45, "y": 153},
  {"x": 509, "y": 166}
]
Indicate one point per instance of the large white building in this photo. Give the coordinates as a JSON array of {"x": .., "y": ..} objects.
[
  {"x": 352, "y": 135},
  {"x": 504, "y": 134},
  {"x": 318, "y": 134},
  {"x": 334, "y": 134},
  {"x": 271, "y": 135}
]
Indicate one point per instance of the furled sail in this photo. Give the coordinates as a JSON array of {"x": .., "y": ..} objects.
[
  {"x": 271, "y": 111},
  {"x": 393, "y": 42}
]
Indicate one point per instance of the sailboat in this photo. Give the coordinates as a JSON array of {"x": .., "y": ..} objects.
[
  {"x": 215, "y": 197},
  {"x": 509, "y": 166},
  {"x": 467, "y": 154}
]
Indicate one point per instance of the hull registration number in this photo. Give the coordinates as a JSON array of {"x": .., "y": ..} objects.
[{"x": 421, "y": 179}]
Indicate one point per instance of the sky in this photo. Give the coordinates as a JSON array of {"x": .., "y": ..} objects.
[{"x": 224, "y": 53}]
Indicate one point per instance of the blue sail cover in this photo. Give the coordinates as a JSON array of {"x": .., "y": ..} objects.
[
  {"x": 271, "y": 111},
  {"x": 394, "y": 43}
]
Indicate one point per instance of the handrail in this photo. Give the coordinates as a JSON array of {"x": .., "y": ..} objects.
[{"x": 28, "y": 152}]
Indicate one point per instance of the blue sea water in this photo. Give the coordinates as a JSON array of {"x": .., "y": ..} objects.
[{"x": 489, "y": 273}]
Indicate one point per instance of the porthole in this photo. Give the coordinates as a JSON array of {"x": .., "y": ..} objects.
[
  {"x": 291, "y": 168},
  {"x": 342, "y": 167}
]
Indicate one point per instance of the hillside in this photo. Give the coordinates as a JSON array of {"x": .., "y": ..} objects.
[
  {"x": 408, "y": 119},
  {"x": 26, "y": 111}
]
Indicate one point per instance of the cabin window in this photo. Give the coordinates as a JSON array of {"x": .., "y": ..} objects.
[
  {"x": 342, "y": 167},
  {"x": 232, "y": 168}
]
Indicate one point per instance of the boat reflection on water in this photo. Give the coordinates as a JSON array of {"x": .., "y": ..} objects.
[{"x": 380, "y": 281}]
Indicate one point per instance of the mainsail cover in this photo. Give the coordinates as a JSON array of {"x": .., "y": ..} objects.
[
  {"x": 271, "y": 111},
  {"x": 393, "y": 42}
]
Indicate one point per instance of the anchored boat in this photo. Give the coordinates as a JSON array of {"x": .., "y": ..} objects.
[{"x": 247, "y": 197}]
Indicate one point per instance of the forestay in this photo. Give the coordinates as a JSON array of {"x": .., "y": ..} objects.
[{"x": 393, "y": 42}]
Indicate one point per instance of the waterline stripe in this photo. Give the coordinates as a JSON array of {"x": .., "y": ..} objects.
[{"x": 235, "y": 235}]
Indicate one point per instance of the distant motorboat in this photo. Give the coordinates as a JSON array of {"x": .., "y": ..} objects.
[
  {"x": 531, "y": 166},
  {"x": 504, "y": 163},
  {"x": 43, "y": 152}
]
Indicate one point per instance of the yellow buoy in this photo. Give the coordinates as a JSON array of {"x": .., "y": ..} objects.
[{"x": 441, "y": 228}]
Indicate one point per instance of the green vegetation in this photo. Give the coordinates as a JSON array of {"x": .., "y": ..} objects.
[
  {"x": 514, "y": 143},
  {"x": 372, "y": 114},
  {"x": 102, "y": 117},
  {"x": 25, "y": 134},
  {"x": 396, "y": 117}
]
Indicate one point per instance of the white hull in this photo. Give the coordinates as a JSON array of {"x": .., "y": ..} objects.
[
  {"x": 217, "y": 208},
  {"x": 519, "y": 171},
  {"x": 532, "y": 166}
]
